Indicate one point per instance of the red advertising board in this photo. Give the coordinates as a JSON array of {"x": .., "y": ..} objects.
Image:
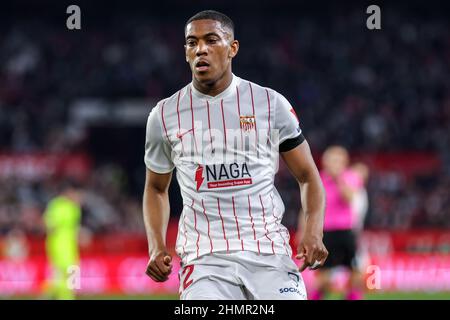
[
  {"x": 124, "y": 274},
  {"x": 38, "y": 166}
]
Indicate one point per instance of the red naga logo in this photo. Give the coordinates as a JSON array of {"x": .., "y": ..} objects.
[{"x": 199, "y": 176}]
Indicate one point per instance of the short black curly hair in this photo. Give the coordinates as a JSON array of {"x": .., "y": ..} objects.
[{"x": 213, "y": 15}]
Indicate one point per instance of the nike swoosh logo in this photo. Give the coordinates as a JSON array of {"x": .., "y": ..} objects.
[{"x": 179, "y": 135}]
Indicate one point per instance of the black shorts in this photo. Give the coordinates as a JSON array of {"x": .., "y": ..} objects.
[{"x": 341, "y": 246}]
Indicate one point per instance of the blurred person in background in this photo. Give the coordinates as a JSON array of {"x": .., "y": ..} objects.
[
  {"x": 360, "y": 207},
  {"x": 62, "y": 221},
  {"x": 15, "y": 247},
  {"x": 360, "y": 201},
  {"x": 341, "y": 187}
]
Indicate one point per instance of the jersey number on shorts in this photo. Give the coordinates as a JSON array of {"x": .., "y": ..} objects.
[{"x": 188, "y": 271}]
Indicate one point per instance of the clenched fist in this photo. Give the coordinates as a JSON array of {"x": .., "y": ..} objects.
[{"x": 159, "y": 266}]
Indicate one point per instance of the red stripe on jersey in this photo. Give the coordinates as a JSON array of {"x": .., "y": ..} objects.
[
  {"x": 273, "y": 208},
  {"x": 242, "y": 244},
  {"x": 195, "y": 225},
  {"x": 253, "y": 108},
  {"x": 259, "y": 250},
  {"x": 224, "y": 126},
  {"x": 207, "y": 220},
  {"x": 209, "y": 123},
  {"x": 179, "y": 122},
  {"x": 185, "y": 233},
  {"x": 251, "y": 218},
  {"x": 223, "y": 225},
  {"x": 278, "y": 223},
  {"x": 239, "y": 114},
  {"x": 178, "y": 110},
  {"x": 235, "y": 218},
  {"x": 164, "y": 122},
  {"x": 265, "y": 223},
  {"x": 192, "y": 117},
  {"x": 238, "y": 103},
  {"x": 268, "y": 120},
  {"x": 251, "y": 94}
]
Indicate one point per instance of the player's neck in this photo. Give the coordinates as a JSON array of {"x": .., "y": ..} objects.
[{"x": 215, "y": 88}]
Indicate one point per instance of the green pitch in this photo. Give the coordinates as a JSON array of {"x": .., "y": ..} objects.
[
  {"x": 368, "y": 296},
  {"x": 402, "y": 296}
]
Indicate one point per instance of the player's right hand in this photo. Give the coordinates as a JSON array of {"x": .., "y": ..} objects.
[{"x": 159, "y": 266}]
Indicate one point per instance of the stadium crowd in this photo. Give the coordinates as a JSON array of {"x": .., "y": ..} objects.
[{"x": 371, "y": 92}]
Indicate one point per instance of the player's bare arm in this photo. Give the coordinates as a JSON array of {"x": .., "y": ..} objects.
[
  {"x": 301, "y": 164},
  {"x": 156, "y": 210}
]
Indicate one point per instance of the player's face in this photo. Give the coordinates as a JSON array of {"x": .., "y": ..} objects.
[
  {"x": 335, "y": 162},
  {"x": 209, "y": 49}
]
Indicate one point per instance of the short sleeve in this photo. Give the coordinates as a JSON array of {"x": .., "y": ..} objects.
[
  {"x": 287, "y": 123},
  {"x": 157, "y": 156}
]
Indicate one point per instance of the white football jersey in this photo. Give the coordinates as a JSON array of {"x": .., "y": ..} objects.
[{"x": 225, "y": 150}]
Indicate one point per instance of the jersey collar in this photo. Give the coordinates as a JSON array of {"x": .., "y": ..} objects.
[{"x": 229, "y": 90}]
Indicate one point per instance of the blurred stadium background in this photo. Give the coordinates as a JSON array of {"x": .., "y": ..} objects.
[{"x": 73, "y": 104}]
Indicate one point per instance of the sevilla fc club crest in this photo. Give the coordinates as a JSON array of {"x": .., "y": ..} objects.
[{"x": 247, "y": 122}]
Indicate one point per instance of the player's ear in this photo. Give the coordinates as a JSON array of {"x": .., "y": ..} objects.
[{"x": 234, "y": 48}]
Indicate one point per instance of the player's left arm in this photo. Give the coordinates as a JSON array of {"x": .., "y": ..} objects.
[
  {"x": 295, "y": 151},
  {"x": 302, "y": 166}
]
